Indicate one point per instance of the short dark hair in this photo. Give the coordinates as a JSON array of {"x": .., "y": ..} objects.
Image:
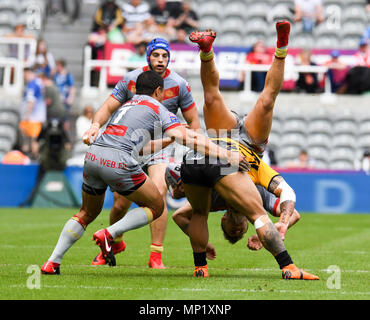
[
  {"x": 148, "y": 82},
  {"x": 231, "y": 239}
]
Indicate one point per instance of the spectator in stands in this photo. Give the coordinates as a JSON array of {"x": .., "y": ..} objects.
[
  {"x": 258, "y": 55},
  {"x": 19, "y": 32},
  {"x": 367, "y": 6},
  {"x": 83, "y": 122},
  {"x": 54, "y": 104},
  {"x": 310, "y": 12},
  {"x": 163, "y": 19},
  {"x": 66, "y": 85},
  {"x": 337, "y": 72},
  {"x": 139, "y": 56},
  {"x": 117, "y": 35},
  {"x": 303, "y": 161},
  {"x": 307, "y": 82},
  {"x": 135, "y": 12},
  {"x": 188, "y": 19},
  {"x": 181, "y": 36},
  {"x": 108, "y": 15},
  {"x": 33, "y": 113},
  {"x": 43, "y": 61},
  {"x": 175, "y": 7},
  {"x": 362, "y": 56},
  {"x": 97, "y": 40},
  {"x": 364, "y": 163}
]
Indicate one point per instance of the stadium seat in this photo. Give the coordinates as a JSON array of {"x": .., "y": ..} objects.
[
  {"x": 256, "y": 24},
  {"x": 354, "y": 12},
  {"x": 344, "y": 140},
  {"x": 5, "y": 145},
  {"x": 276, "y": 126},
  {"x": 274, "y": 139},
  {"x": 251, "y": 38},
  {"x": 10, "y": 117},
  {"x": 210, "y": 22},
  {"x": 213, "y": 8},
  {"x": 280, "y": 11},
  {"x": 257, "y": 9},
  {"x": 287, "y": 154},
  {"x": 235, "y": 9},
  {"x": 293, "y": 139},
  {"x": 364, "y": 128},
  {"x": 345, "y": 126},
  {"x": 230, "y": 39},
  {"x": 321, "y": 164},
  {"x": 353, "y": 28},
  {"x": 318, "y": 153},
  {"x": 302, "y": 40},
  {"x": 349, "y": 42},
  {"x": 327, "y": 42},
  {"x": 341, "y": 165},
  {"x": 294, "y": 125},
  {"x": 319, "y": 140},
  {"x": 364, "y": 142},
  {"x": 234, "y": 25},
  {"x": 8, "y": 132},
  {"x": 320, "y": 126},
  {"x": 342, "y": 153}
]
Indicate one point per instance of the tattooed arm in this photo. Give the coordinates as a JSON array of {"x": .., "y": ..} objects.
[{"x": 281, "y": 189}]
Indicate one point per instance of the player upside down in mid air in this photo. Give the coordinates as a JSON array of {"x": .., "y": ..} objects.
[
  {"x": 233, "y": 229},
  {"x": 111, "y": 161},
  {"x": 238, "y": 189}
]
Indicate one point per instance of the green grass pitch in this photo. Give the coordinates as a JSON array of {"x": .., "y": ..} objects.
[{"x": 318, "y": 241}]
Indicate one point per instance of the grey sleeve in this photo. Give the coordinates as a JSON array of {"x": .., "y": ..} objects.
[{"x": 269, "y": 200}]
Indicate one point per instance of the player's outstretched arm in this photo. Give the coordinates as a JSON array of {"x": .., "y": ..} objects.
[
  {"x": 109, "y": 106},
  {"x": 287, "y": 196},
  {"x": 202, "y": 144}
]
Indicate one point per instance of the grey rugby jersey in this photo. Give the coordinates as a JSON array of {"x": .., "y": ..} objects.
[{"x": 135, "y": 123}]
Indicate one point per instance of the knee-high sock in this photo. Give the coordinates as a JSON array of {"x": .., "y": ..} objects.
[
  {"x": 133, "y": 219},
  {"x": 71, "y": 232}
]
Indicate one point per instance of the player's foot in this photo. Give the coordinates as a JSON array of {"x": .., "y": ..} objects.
[
  {"x": 201, "y": 272},
  {"x": 293, "y": 272},
  {"x": 105, "y": 241},
  {"x": 50, "y": 267},
  {"x": 116, "y": 248},
  {"x": 155, "y": 261},
  {"x": 203, "y": 39},
  {"x": 283, "y": 30}
]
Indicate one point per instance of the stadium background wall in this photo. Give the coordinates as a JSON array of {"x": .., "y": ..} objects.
[{"x": 317, "y": 190}]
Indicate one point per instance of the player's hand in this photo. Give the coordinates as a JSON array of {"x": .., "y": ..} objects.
[
  {"x": 210, "y": 252},
  {"x": 237, "y": 160},
  {"x": 282, "y": 228},
  {"x": 254, "y": 243},
  {"x": 90, "y": 135}
]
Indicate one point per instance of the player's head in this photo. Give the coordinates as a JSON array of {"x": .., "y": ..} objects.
[
  {"x": 234, "y": 225},
  {"x": 158, "y": 55},
  {"x": 173, "y": 180},
  {"x": 151, "y": 84}
]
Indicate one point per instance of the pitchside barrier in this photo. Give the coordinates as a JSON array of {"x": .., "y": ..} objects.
[{"x": 317, "y": 191}]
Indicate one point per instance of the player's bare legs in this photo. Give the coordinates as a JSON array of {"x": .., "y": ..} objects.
[
  {"x": 258, "y": 121},
  {"x": 240, "y": 192},
  {"x": 158, "y": 227},
  {"x": 216, "y": 114},
  {"x": 200, "y": 200}
]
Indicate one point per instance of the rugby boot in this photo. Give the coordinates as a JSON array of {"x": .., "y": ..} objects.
[
  {"x": 201, "y": 271},
  {"x": 203, "y": 39},
  {"x": 116, "y": 248},
  {"x": 105, "y": 241},
  {"x": 291, "y": 271},
  {"x": 50, "y": 267},
  {"x": 283, "y": 30},
  {"x": 155, "y": 261}
]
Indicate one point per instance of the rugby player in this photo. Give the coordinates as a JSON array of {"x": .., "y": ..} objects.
[
  {"x": 111, "y": 161},
  {"x": 177, "y": 95},
  {"x": 202, "y": 175},
  {"x": 233, "y": 231}
]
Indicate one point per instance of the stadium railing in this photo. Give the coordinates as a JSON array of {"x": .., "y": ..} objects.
[
  {"x": 17, "y": 64},
  {"x": 102, "y": 66}
]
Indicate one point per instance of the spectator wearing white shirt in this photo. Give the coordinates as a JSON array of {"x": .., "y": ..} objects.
[
  {"x": 135, "y": 12},
  {"x": 310, "y": 12},
  {"x": 83, "y": 122}
]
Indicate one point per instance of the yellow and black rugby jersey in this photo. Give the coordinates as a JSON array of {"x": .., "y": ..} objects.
[{"x": 261, "y": 173}]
